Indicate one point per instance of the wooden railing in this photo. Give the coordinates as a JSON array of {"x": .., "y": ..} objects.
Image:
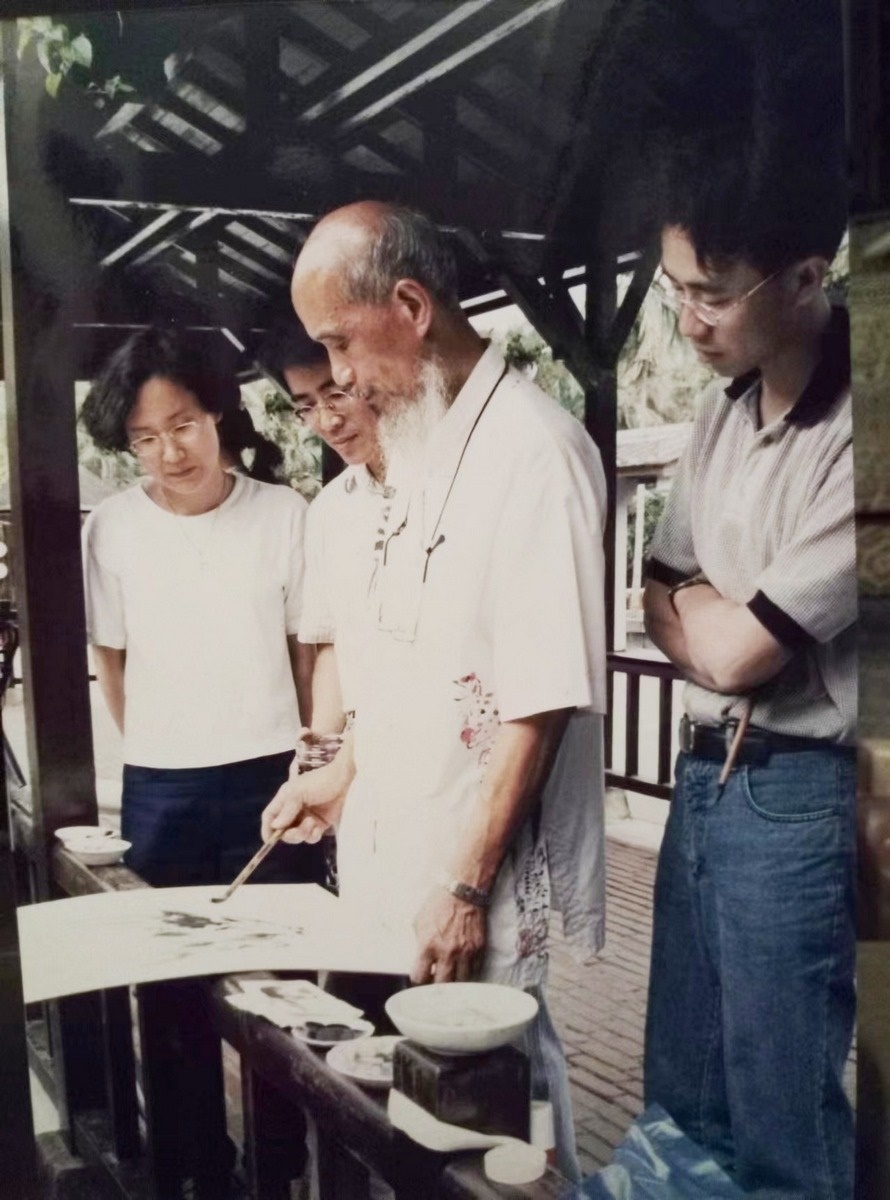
[
  {"x": 155, "y": 1147},
  {"x": 635, "y": 669}
]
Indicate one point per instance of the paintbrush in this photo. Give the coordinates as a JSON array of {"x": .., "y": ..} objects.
[{"x": 247, "y": 871}]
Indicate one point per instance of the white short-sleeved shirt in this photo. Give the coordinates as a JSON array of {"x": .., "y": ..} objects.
[
  {"x": 507, "y": 623},
  {"x": 203, "y": 607},
  {"x": 342, "y": 526}
]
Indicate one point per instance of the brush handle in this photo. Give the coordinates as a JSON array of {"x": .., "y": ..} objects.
[{"x": 247, "y": 871}]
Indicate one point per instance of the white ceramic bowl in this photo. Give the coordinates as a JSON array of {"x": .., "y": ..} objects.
[
  {"x": 98, "y": 852},
  {"x": 83, "y": 833},
  {"x": 462, "y": 1018}
]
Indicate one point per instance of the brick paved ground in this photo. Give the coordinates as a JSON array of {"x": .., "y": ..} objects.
[{"x": 599, "y": 1009}]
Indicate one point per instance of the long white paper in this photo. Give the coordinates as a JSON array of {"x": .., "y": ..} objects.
[{"x": 116, "y": 938}]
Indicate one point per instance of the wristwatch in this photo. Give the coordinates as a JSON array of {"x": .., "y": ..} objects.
[
  {"x": 478, "y": 897},
  {"x": 693, "y": 581}
]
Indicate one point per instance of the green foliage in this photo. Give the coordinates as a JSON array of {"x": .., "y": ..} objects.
[
  {"x": 62, "y": 55},
  {"x": 654, "y": 506},
  {"x": 527, "y": 351},
  {"x": 272, "y": 415},
  {"x": 57, "y": 51}
]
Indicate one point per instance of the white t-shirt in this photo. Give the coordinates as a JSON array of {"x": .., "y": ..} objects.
[
  {"x": 509, "y": 622},
  {"x": 203, "y": 606}
]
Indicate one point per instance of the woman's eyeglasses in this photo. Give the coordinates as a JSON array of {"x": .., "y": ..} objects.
[{"x": 152, "y": 444}]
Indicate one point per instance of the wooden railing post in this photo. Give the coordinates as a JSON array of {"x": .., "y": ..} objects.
[
  {"x": 635, "y": 669},
  {"x": 182, "y": 1080},
  {"x": 275, "y": 1149}
]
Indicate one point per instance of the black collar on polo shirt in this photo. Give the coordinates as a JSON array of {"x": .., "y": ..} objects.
[{"x": 830, "y": 378}]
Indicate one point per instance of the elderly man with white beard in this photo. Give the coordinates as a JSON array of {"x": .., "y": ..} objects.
[{"x": 468, "y": 795}]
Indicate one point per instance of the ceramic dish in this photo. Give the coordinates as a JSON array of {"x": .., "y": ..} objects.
[
  {"x": 367, "y": 1060},
  {"x": 83, "y": 833},
  {"x": 331, "y": 1033},
  {"x": 98, "y": 852},
  {"x": 462, "y": 1018}
]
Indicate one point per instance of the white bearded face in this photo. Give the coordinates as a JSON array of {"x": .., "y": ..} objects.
[{"x": 406, "y": 424}]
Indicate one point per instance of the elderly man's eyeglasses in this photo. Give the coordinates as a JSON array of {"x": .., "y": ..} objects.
[
  {"x": 334, "y": 402},
  {"x": 715, "y": 312},
  {"x": 152, "y": 444}
]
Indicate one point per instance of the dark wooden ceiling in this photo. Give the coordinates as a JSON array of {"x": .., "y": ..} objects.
[{"x": 521, "y": 126}]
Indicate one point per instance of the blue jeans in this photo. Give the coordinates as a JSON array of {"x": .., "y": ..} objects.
[
  {"x": 751, "y": 993},
  {"x": 200, "y": 825}
]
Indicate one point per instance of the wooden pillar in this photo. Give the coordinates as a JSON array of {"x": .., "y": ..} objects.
[
  {"x": 17, "y": 1150},
  {"x": 623, "y": 492},
  {"x": 41, "y": 255},
  {"x": 601, "y": 403},
  {"x": 46, "y": 280}
]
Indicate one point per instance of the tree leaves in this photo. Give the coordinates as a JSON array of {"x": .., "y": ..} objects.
[{"x": 59, "y": 54}]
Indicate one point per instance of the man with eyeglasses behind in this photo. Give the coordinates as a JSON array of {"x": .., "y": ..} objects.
[
  {"x": 751, "y": 591},
  {"x": 343, "y": 519}
]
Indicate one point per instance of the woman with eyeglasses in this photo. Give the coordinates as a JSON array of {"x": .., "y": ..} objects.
[{"x": 193, "y": 591}]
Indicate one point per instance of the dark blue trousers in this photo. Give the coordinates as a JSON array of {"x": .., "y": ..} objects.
[{"x": 200, "y": 825}]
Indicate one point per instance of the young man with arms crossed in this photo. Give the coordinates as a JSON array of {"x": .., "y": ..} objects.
[{"x": 752, "y": 592}]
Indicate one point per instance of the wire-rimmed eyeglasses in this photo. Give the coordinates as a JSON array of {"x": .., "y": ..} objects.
[
  {"x": 334, "y": 402},
  {"x": 150, "y": 445},
  {"x": 709, "y": 314}
]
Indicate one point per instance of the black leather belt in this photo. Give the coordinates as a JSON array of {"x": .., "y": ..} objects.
[{"x": 713, "y": 741}]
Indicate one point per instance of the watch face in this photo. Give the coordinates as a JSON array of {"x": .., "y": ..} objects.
[{"x": 465, "y": 891}]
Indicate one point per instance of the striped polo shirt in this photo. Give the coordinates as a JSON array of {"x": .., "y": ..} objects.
[{"x": 767, "y": 515}]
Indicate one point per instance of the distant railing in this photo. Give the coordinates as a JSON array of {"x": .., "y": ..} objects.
[{"x": 635, "y": 669}]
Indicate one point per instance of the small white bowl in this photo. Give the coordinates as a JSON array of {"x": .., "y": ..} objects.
[
  {"x": 83, "y": 833},
  {"x": 98, "y": 852},
  {"x": 462, "y": 1018}
]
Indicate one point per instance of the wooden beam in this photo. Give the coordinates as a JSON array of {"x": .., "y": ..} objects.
[
  {"x": 444, "y": 66},
  {"x": 401, "y": 55},
  {"x": 633, "y": 300},
  {"x": 155, "y": 234},
  {"x": 547, "y": 308}
]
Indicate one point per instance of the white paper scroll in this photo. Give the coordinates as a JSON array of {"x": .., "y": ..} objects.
[{"x": 116, "y": 938}]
